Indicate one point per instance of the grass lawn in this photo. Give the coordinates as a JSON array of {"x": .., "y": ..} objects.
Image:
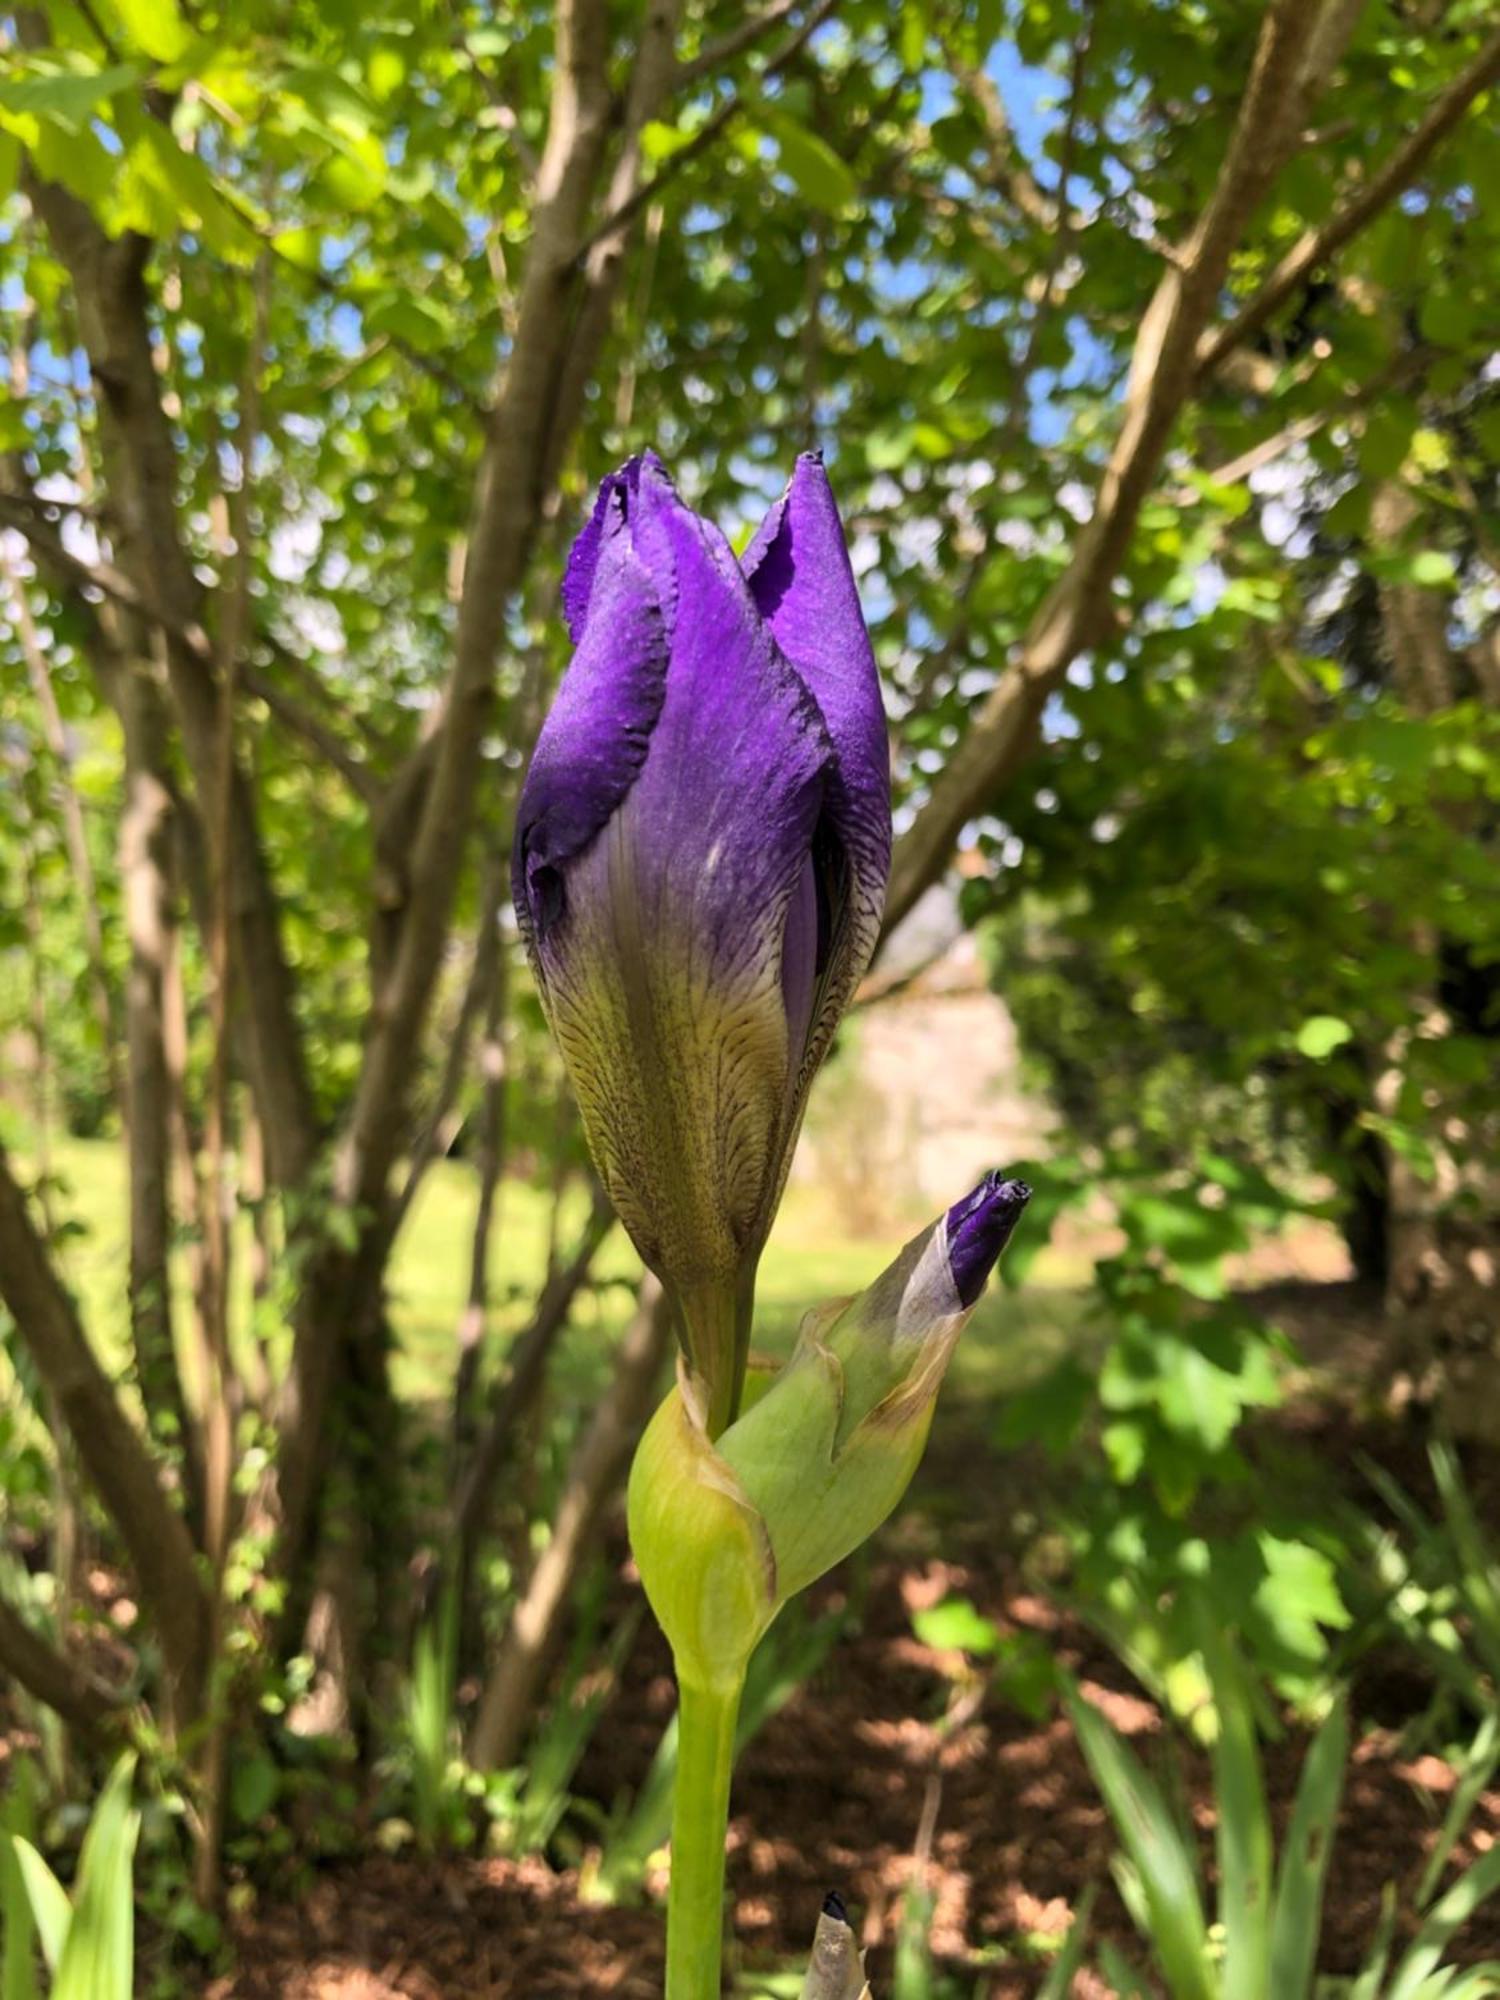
[{"x": 1015, "y": 1335}]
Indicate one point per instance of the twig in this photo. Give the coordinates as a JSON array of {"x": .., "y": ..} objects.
[
  {"x": 648, "y": 191},
  {"x": 1078, "y": 609},
  {"x": 751, "y": 30},
  {"x": 1062, "y": 234},
  {"x": 1316, "y": 246},
  {"x": 74, "y": 833},
  {"x": 505, "y": 112},
  {"x": 52, "y": 1678},
  {"x": 28, "y": 517}
]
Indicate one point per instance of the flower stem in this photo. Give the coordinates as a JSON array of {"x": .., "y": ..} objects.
[{"x": 700, "y": 1819}]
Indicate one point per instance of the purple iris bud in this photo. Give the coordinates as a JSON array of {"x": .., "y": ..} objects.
[
  {"x": 978, "y": 1229},
  {"x": 700, "y": 863}
]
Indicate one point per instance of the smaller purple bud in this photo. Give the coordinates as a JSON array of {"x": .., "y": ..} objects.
[{"x": 979, "y": 1227}]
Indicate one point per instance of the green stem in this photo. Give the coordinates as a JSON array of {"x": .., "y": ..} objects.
[{"x": 700, "y": 1820}]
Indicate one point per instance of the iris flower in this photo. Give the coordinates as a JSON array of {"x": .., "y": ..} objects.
[{"x": 700, "y": 864}]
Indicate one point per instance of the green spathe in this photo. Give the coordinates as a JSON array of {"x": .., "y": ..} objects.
[
  {"x": 700, "y": 1544},
  {"x": 726, "y": 1531}
]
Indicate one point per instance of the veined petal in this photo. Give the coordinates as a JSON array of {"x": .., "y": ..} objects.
[
  {"x": 802, "y": 582},
  {"x": 583, "y": 557},
  {"x": 593, "y": 745}
]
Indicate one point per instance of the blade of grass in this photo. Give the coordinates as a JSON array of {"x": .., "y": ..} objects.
[
  {"x": 17, "y": 1924},
  {"x": 1297, "y": 1914},
  {"x": 1065, "y": 1967},
  {"x": 1163, "y": 1860},
  {"x": 1243, "y": 1834},
  {"x": 1478, "y": 1768},
  {"x": 98, "y": 1955},
  {"x": 49, "y": 1902},
  {"x": 1475, "y": 1886},
  {"x": 1126, "y": 1982},
  {"x": 1481, "y": 1580},
  {"x": 1372, "y": 1972}
]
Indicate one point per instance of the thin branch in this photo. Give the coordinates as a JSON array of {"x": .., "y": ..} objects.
[
  {"x": 1078, "y": 610},
  {"x": 527, "y": 1362},
  {"x": 490, "y": 1163},
  {"x": 52, "y": 1678},
  {"x": 110, "y": 1451},
  {"x": 500, "y": 104},
  {"x": 754, "y": 28},
  {"x": 595, "y": 1472},
  {"x": 616, "y": 219},
  {"x": 74, "y": 833},
  {"x": 1061, "y": 236},
  {"x": 28, "y": 517},
  {"x": 442, "y": 1123},
  {"x": 1007, "y": 166},
  {"x": 1400, "y": 374},
  {"x": 360, "y": 779},
  {"x": 140, "y": 455},
  {"x": 1316, "y": 246},
  {"x": 506, "y": 514}
]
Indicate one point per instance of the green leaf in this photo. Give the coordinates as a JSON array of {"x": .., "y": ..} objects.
[
  {"x": 1243, "y": 1833},
  {"x": 1321, "y": 1034},
  {"x": 1064, "y": 1969},
  {"x": 1475, "y": 1886},
  {"x": 1298, "y": 1595},
  {"x": 67, "y": 97},
  {"x": 50, "y": 1907},
  {"x": 98, "y": 1956},
  {"x": 956, "y": 1625},
  {"x": 1297, "y": 1915},
  {"x": 17, "y": 1924},
  {"x": 10, "y": 164},
  {"x": 812, "y": 163},
  {"x": 1481, "y": 1579},
  {"x": 156, "y": 26},
  {"x": 1049, "y": 1412},
  {"x": 1158, "y": 1849},
  {"x": 1478, "y": 1768},
  {"x": 254, "y": 1786}
]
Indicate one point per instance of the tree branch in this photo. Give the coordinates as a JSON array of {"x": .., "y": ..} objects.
[
  {"x": 75, "y": 834},
  {"x": 140, "y": 467},
  {"x": 754, "y": 28},
  {"x": 650, "y": 81},
  {"x": 1077, "y": 612},
  {"x": 594, "y": 1474},
  {"x": 110, "y": 1451},
  {"x": 507, "y": 510},
  {"x": 1008, "y": 169},
  {"x": 1390, "y": 180},
  {"x": 615, "y": 219},
  {"x": 51, "y": 1677},
  {"x": 30, "y": 518},
  {"x": 526, "y": 1363}
]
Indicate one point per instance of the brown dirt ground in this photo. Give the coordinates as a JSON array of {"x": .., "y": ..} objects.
[{"x": 831, "y": 1794}]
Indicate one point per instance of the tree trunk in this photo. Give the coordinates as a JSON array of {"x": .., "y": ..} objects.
[
  {"x": 145, "y": 864},
  {"x": 112, "y": 1455},
  {"x": 1443, "y": 1273}
]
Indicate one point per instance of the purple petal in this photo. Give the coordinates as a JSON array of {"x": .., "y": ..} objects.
[
  {"x": 802, "y": 582},
  {"x": 583, "y": 557},
  {"x": 978, "y": 1229},
  {"x": 594, "y": 742},
  {"x": 680, "y": 778}
]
